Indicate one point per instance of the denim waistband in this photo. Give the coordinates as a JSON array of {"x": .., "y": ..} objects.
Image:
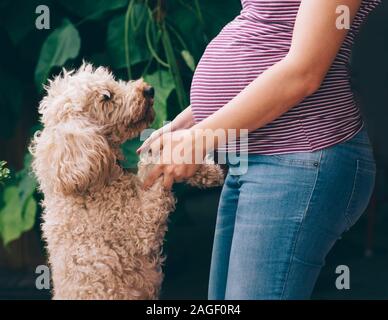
[{"x": 358, "y": 144}]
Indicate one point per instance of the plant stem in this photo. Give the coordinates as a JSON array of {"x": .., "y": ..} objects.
[
  {"x": 201, "y": 19},
  {"x": 199, "y": 12},
  {"x": 126, "y": 38},
  {"x": 174, "y": 69},
  {"x": 150, "y": 46}
]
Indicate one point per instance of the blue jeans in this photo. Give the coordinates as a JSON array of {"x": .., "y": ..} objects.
[{"x": 277, "y": 222}]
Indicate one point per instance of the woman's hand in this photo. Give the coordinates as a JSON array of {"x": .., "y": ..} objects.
[
  {"x": 184, "y": 120},
  {"x": 171, "y": 173},
  {"x": 153, "y": 137},
  {"x": 177, "y": 153}
]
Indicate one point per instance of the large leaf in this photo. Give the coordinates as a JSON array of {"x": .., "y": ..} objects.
[
  {"x": 175, "y": 71},
  {"x": 138, "y": 51},
  {"x": 17, "y": 215},
  {"x": 29, "y": 213},
  {"x": 129, "y": 150},
  {"x": 61, "y": 45},
  {"x": 198, "y": 27},
  {"x": 27, "y": 182},
  {"x": 92, "y": 9},
  {"x": 214, "y": 21},
  {"x": 188, "y": 58},
  {"x": 19, "y": 210},
  {"x": 164, "y": 85},
  {"x": 189, "y": 27},
  {"x": 11, "y": 215}
]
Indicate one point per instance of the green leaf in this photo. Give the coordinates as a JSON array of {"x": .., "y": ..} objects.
[
  {"x": 92, "y": 9},
  {"x": 129, "y": 150},
  {"x": 188, "y": 58},
  {"x": 198, "y": 25},
  {"x": 138, "y": 50},
  {"x": 29, "y": 214},
  {"x": 174, "y": 68},
  {"x": 27, "y": 185},
  {"x": 4, "y": 172},
  {"x": 164, "y": 85},
  {"x": 11, "y": 215},
  {"x": 17, "y": 215},
  {"x": 215, "y": 21},
  {"x": 20, "y": 207},
  {"x": 99, "y": 59},
  {"x": 189, "y": 27},
  {"x": 61, "y": 45}
]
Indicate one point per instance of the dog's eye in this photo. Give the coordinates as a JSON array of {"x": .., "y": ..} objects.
[{"x": 106, "y": 95}]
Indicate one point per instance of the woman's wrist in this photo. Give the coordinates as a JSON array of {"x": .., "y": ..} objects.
[{"x": 203, "y": 141}]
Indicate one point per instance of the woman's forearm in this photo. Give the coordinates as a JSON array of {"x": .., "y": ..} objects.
[{"x": 184, "y": 120}]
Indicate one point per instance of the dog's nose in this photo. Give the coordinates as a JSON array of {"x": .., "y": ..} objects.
[{"x": 149, "y": 92}]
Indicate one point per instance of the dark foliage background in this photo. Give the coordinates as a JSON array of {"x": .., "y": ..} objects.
[
  {"x": 161, "y": 40},
  {"x": 158, "y": 40}
]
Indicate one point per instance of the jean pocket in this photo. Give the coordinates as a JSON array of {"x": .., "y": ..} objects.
[
  {"x": 300, "y": 159},
  {"x": 363, "y": 185}
]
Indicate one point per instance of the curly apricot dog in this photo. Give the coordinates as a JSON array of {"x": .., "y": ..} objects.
[{"x": 104, "y": 233}]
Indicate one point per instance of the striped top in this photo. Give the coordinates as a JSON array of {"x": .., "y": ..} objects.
[{"x": 255, "y": 40}]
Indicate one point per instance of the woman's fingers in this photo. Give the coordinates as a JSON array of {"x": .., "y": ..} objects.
[
  {"x": 154, "y": 174},
  {"x": 148, "y": 142},
  {"x": 144, "y": 146},
  {"x": 162, "y": 150},
  {"x": 153, "y": 146},
  {"x": 168, "y": 181},
  {"x": 154, "y": 136},
  {"x": 171, "y": 174},
  {"x": 156, "y": 146}
]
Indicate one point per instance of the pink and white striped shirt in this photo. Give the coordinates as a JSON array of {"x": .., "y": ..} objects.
[{"x": 255, "y": 40}]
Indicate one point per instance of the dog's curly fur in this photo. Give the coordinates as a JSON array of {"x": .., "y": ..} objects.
[{"x": 104, "y": 233}]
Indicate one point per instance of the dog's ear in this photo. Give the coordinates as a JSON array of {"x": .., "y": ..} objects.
[{"x": 72, "y": 157}]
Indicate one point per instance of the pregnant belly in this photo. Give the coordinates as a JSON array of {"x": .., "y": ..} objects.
[{"x": 225, "y": 69}]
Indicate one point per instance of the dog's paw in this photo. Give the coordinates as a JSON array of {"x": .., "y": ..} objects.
[{"x": 208, "y": 175}]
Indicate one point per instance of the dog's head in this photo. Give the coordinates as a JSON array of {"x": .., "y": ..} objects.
[
  {"x": 121, "y": 109},
  {"x": 86, "y": 115}
]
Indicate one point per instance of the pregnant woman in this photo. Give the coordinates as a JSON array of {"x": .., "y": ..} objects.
[{"x": 279, "y": 70}]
